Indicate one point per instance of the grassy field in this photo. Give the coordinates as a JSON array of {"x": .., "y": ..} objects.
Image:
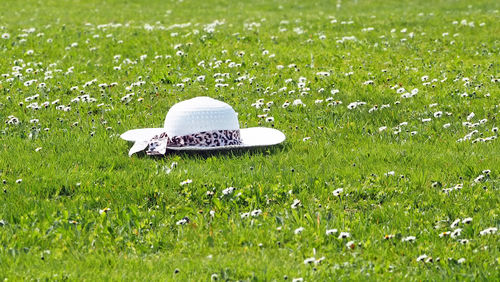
[{"x": 395, "y": 102}]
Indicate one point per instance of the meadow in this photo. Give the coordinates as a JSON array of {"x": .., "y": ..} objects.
[{"x": 390, "y": 169}]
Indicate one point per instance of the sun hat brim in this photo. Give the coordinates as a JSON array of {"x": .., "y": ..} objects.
[
  {"x": 250, "y": 137},
  {"x": 141, "y": 134}
]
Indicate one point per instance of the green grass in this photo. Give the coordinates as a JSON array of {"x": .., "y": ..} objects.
[{"x": 51, "y": 226}]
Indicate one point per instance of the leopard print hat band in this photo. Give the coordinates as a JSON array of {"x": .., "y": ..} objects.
[{"x": 159, "y": 143}]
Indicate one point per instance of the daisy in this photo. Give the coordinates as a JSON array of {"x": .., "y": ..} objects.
[
  {"x": 350, "y": 245},
  {"x": 255, "y": 213},
  {"x": 228, "y": 190},
  {"x": 338, "y": 192},
  {"x": 331, "y": 231},
  {"x": 104, "y": 211},
  {"x": 390, "y": 173},
  {"x": 467, "y": 220},
  {"x": 487, "y": 231},
  {"x": 183, "y": 221},
  {"x": 344, "y": 235},
  {"x": 296, "y": 203},
  {"x": 444, "y": 234},
  {"x": 410, "y": 239},
  {"x": 298, "y": 230},
  {"x": 309, "y": 260},
  {"x": 456, "y": 233},
  {"x": 421, "y": 258}
]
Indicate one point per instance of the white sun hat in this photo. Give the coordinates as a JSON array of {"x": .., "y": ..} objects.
[{"x": 199, "y": 124}]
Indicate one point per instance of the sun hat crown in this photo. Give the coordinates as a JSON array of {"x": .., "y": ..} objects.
[{"x": 200, "y": 114}]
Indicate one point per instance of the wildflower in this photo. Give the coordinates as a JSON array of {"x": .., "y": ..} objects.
[
  {"x": 295, "y": 204},
  {"x": 352, "y": 105},
  {"x": 479, "y": 178},
  {"x": 104, "y": 211},
  {"x": 464, "y": 241},
  {"x": 298, "y": 230},
  {"x": 183, "y": 221},
  {"x": 455, "y": 223},
  {"x": 446, "y": 125},
  {"x": 438, "y": 114},
  {"x": 389, "y": 236},
  {"x": 461, "y": 261},
  {"x": 421, "y": 258},
  {"x": 269, "y": 119},
  {"x": 5, "y": 36},
  {"x": 19, "y": 181},
  {"x": 38, "y": 149},
  {"x": 444, "y": 234},
  {"x": 245, "y": 215},
  {"x": 471, "y": 116},
  {"x": 255, "y": 213},
  {"x": 298, "y": 102},
  {"x": 331, "y": 231},
  {"x": 337, "y": 192},
  {"x": 228, "y": 190},
  {"x": 350, "y": 245},
  {"x": 410, "y": 239},
  {"x": 467, "y": 220},
  {"x": 318, "y": 261},
  {"x": 300, "y": 279},
  {"x": 309, "y": 260},
  {"x": 390, "y": 173},
  {"x": 344, "y": 235},
  {"x": 187, "y": 181},
  {"x": 306, "y": 139},
  {"x": 487, "y": 231},
  {"x": 456, "y": 233}
]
